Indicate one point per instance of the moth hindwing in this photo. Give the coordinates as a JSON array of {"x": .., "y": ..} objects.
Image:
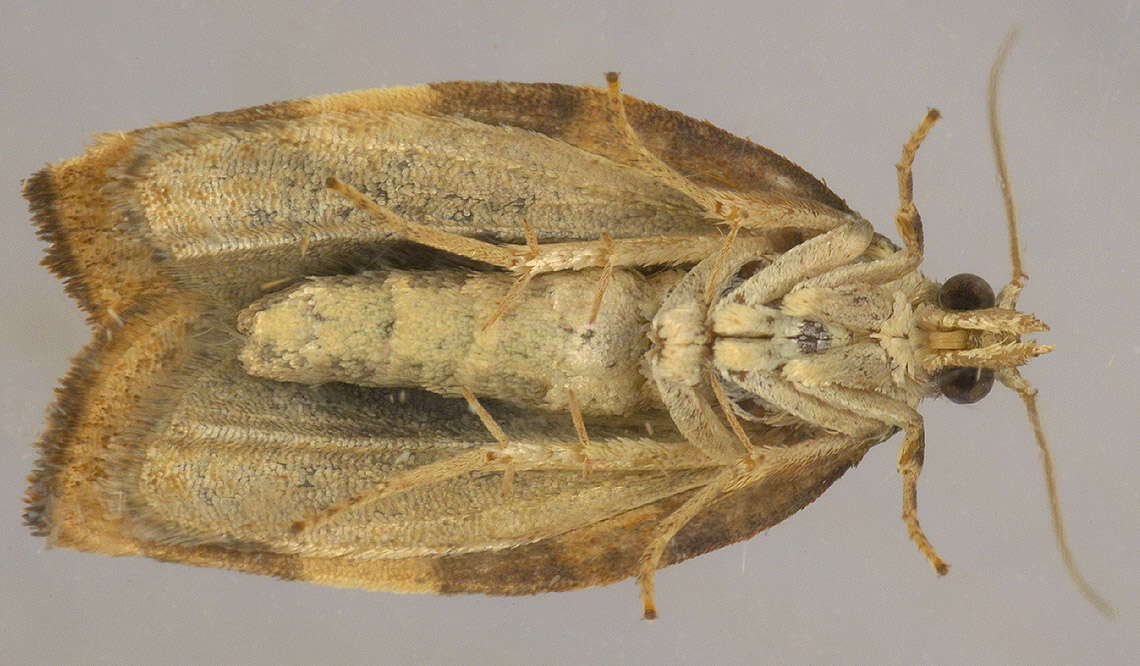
[{"x": 478, "y": 337}]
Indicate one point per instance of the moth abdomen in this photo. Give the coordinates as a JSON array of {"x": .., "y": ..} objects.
[{"x": 427, "y": 329}]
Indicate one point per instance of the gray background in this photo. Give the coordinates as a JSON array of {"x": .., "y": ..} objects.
[{"x": 836, "y": 88}]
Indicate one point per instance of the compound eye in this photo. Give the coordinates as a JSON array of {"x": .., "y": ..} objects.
[
  {"x": 965, "y": 385},
  {"x": 966, "y": 291}
]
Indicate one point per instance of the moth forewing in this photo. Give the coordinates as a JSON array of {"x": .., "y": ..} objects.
[{"x": 528, "y": 338}]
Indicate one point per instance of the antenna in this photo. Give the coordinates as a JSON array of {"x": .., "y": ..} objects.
[{"x": 1008, "y": 299}]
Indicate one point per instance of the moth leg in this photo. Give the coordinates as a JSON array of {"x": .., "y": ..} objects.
[
  {"x": 714, "y": 280},
  {"x": 527, "y": 272},
  {"x": 650, "y": 560},
  {"x": 873, "y": 405},
  {"x": 813, "y": 257},
  {"x": 640, "y": 456},
  {"x": 580, "y": 428},
  {"x": 762, "y": 463},
  {"x": 496, "y": 255},
  {"x": 523, "y": 259},
  {"x": 756, "y": 211},
  {"x": 911, "y": 455},
  {"x": 521, "y": 281},
  {"x": 729, "y": 414},
  {"x": 511, "y": 297},
  {"x": 604, "y": 282},
  {"x": 863, "y": 415},
  {"x": 434, "y": 473},
  {"x": 907, "y": 220},
  {"x": 552, "y": 257},
  {"x": 788, "y": 397},
  {"x": 613, "y": 253},
  {"x": 510, "y": 455},
  {"x": 497, "y": 432},
  {"x": 421, "y": 476},
  {"x": 633, "y": 152}
]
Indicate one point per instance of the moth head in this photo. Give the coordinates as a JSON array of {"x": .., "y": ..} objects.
[
  {"x": 972, "y": 334},
  {"x": 975, "y": 337}
]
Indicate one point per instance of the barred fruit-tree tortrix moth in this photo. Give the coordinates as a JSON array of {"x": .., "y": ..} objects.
[{"x": 481, "y": 337}]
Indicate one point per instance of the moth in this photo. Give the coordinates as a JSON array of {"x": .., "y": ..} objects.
[{"x": 486, "y": 338}]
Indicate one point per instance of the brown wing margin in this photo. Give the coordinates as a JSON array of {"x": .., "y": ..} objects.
[
  {"x": 697, "y": 149},
  {"x": 601, "y": 554}
]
